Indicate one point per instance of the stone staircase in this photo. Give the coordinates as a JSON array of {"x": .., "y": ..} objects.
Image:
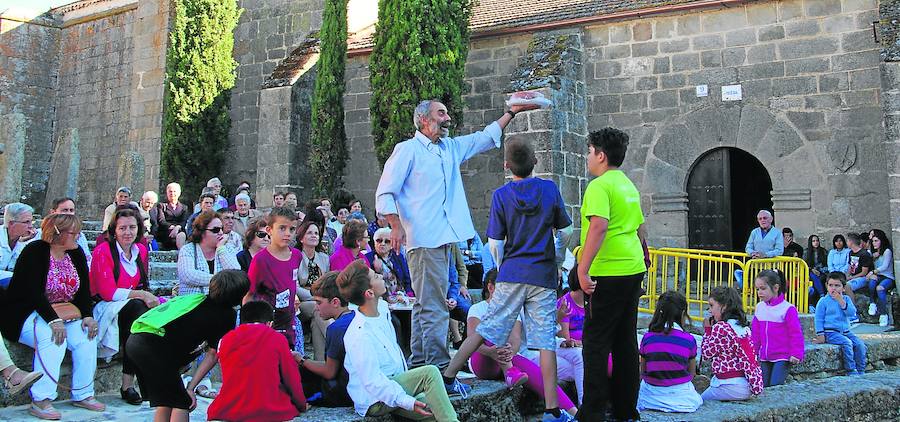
[{"x": 163, "y": 268}]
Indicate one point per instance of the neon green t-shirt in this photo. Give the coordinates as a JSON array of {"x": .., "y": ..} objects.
[{"x": 612, "y": 196}]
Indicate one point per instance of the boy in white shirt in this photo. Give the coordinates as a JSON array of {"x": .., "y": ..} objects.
[{"x": 379, "y": 380}]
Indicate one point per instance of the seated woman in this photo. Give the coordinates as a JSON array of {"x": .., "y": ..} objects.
[
  {"x": 255, "y": 240},
  {"x": 119, "y": 279},
  {"x": 354, "y": 239},
  {"x": 391, "y": 265},
  {"x": 204, "y": 255},
  {"x": 816, "y": 258},
  {"x": 492, "y": 362},
  {"x": 16, "y": 232},
  {"x": 313, "y": 263},
  {"x": 48, "y": 308},
  {"x": 881, "y": 279},
  {"x": 167, "y": 338}
]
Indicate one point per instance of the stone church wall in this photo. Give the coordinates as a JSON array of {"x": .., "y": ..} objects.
[{"x": 811, "y": 112}]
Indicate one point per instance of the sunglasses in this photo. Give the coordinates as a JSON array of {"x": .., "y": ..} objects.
[
  {"x": 385, "y": 241},
  {"x": 262, "y": 235},
  {"x": 215, "y": 230}
]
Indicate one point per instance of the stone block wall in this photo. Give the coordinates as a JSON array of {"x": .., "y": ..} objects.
[
  {"x": 29, "y": 62},
  {"x": 362, "y": 171},
  {"x": 94, "y": 97},
  {"x": 810, "y": 110},
  {"x": 267, "y": 32}
]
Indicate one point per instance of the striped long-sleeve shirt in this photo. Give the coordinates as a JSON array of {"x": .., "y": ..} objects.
[{"x": 666, "y": 357}]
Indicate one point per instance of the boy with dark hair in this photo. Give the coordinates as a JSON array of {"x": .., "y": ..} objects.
[
  {"x": 379, "y": 380},
  {"x": 524, "y": 214},
  {"x": 329, "y": 377},
  {"x": 260, "y": 377},
  {"x": 610, "y": 274},
  {"x": 834, "y": 316},
  {"x": 791, "y": 248}
]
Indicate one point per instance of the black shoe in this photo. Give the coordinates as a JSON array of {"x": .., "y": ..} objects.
[{"x": 131, "y": 396}]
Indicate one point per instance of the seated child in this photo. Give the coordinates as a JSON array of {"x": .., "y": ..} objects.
[
  {"x": 777, "y": 334},
  {"x": 728, "y": 345},
  {"x": 260, "y": 380},
  {"x": 668, "y": 359},
  {"x": 329, "y": 377},
  {"x": 833, "y": 313},
  {"x": 571, "y": 306},
  {"x": 379, "y": 380},
  {"x": 492, "y": 362}
]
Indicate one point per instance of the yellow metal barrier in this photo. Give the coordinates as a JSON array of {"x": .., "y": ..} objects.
[{"x": 696, "y": 272}]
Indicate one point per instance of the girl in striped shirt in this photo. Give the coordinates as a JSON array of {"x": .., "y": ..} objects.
[{"x": 668, "y": 359}]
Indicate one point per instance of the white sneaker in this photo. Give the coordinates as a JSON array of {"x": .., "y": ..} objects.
[
  {"x": 883, "y": 320},
  {"x": 854, "y": 321},
  {"x": 873, "y": 309}
]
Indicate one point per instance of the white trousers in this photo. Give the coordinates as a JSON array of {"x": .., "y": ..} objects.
[{"x": 84, "y": 358}]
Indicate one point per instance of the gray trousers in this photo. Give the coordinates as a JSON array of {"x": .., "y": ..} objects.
[{"x": 429, "y": 269}]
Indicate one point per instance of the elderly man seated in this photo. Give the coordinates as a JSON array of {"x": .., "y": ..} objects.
[
  {"x": 171, "y": 219},
  {"x": 243, "y": 213},
  {"x": 766, "y": 241},
  {"x": 16, "y": 232},
  {"x": 123, "y": 197}
]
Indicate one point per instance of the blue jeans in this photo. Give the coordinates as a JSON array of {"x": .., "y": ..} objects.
[
  {"x": 774, "y": 373},
  {"x": 852, "y": 348},
  {"x": 739, "y": 280},
  {"x": 4, "y": 282},
  {"x": 885, "y": 284},
  {"x": 817, "y": 290},
  {"x": 857, "y": 283}
]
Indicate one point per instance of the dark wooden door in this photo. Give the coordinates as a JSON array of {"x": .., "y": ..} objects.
[{"x": 709, "y": 202}]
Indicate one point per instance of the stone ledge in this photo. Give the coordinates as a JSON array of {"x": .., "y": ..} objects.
[{"x": 874, "y": 396}]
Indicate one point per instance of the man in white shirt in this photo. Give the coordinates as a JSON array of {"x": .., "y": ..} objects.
[
  {"x": 422, "y": 197},
  {"x": 379, "y": 380},
  {"x": 66, "y": 205},
  {"x": 16, "y": 232}
]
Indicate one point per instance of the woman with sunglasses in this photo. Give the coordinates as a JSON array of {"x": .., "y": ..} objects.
[
  {"x": 391, "y": 265},
  {"x": 255, "y": 240},
  {"x": 313, "y": 264},
  {"x": 205, "y": 254},
  {"x": 48, "y": 308}
]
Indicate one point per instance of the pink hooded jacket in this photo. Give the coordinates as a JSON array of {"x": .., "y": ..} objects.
[{"x": 776, "y": 331}]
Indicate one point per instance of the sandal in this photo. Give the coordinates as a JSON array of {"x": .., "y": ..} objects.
[
  {"x": 26, "y": 381},
  {"x": 90, "y": 403},
  {"x": 206, "y": 392},
  {"x": 49, "y": 413}
]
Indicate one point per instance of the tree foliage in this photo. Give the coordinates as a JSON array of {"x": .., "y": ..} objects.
[
  {"x": 328, "y": 142},
  {"x": 199, "y": 75},
  {"x": 420, "y": 53}
]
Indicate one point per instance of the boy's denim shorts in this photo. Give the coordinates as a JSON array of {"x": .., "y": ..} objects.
[{"x": 506, "y": 306}]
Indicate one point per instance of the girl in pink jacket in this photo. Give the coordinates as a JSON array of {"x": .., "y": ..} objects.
[{"x": 777, "y": 335}]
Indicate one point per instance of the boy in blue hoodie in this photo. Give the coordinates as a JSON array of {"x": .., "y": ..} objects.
[
  {"x": 833, "y": 314},
  {"x": 524, "y": 214}
]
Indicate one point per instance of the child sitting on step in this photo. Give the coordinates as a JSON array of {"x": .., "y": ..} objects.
[
  {"x": 777, "y": 335},
  {"x": 668, "y": 359},
  {"x": 833, "y": 313},
  {"x": 728, "y": 345}
]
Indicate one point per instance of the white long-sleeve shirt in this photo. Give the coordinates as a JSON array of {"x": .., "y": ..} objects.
[
  {"x": 193, "y": 271},
  {"x": 373, "y": 357},
  {"x": 421, "y": 182},
  {"x": 8, "y": 256}
]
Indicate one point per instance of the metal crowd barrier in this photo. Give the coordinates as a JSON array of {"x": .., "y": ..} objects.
[{"x": 695, "y": 272}]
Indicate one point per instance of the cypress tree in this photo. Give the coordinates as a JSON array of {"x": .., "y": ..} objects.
[
  {"x": 420, "y": 53},
  {"x": 199, "y": 75},
  {"x": 328, "y": 146}
]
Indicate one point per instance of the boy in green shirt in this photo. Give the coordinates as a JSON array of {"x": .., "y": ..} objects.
[{"x": 611, "y": 270}]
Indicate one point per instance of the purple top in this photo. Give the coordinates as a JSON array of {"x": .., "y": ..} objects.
[
  {"x": 667, "y": 357},
  {"x": 275, "y": 282},
  {"x": 342, "y": 257},
  {"x": 575, "y": 317}
]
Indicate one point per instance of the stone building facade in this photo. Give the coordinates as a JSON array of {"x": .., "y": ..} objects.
[
  {"x": 81, "y": 102},
  {"x": 807, "y": 124}
]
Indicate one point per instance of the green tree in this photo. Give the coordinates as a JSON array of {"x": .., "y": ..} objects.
[
  {"x": 328, "y": 142},
  {"x": 199, "y": 76},
  {"x": 420, "y": 53}
]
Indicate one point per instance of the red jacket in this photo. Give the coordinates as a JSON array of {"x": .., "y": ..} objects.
[{"x": 260, "y": 379}]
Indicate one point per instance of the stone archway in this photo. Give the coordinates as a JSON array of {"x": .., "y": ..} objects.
[{"x": 792, "y": 162}]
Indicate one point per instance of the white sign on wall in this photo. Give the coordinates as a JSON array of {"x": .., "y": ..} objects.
[
  {"x": 702, "y": 90},
  {"x": 732, "y": 93}
]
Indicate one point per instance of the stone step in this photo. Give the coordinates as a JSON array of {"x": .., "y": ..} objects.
[
  {"x": 872, "y": 397},
  {"x": 91, "y": 225},
  {"x": 163, "y": 270},
  {"x": 91, "y": 235},
  {"x": 163, "y": 256}
]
